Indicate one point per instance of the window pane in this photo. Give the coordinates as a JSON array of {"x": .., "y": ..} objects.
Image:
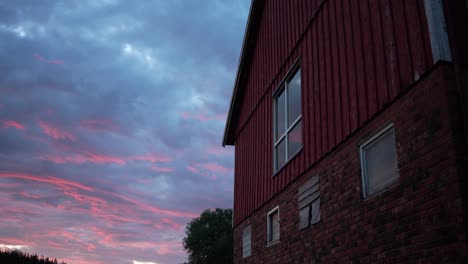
[
  {"x": 381, "y": 162},
  {"x": 304, "y": 214},
  {"x": 280, "y": 154},
  {"x": 294, "y": 98},
  {"x": 295, "y": 139},
  {"x": 280, "y": 115},
  {"x": 246, "y": 242},
  {"x": 275, "y": 226},
  {"x": 315, "y": 214}
]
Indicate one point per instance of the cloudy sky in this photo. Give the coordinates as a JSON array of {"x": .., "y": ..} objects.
[{"x": 111, "y": 121}]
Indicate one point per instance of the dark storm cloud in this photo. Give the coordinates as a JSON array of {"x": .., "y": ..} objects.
[{"x": 111, "y": 116}]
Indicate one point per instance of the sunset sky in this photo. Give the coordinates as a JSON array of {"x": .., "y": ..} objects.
[{"x": 111, "y": 119}]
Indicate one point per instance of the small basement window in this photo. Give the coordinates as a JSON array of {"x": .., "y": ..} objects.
[
  {"x": 287, "y": 119},
  {"x": 379, "y": 162},
  {"x": 246, "y": 242},
  {"x": 309, "y": 202},
  {"x": 273, "y": 226}
]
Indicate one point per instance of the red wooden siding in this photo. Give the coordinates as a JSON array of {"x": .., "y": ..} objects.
[{"x": 355, "y": 58}]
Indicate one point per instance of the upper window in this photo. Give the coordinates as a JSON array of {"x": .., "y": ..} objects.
[
  {"x": 379, "y": 161},
  {"x": 288, "y": 120},
  {"x": 273, "y": 226}
]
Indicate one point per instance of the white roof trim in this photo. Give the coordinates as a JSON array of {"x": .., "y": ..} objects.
[{"x": 437, "y": 30}]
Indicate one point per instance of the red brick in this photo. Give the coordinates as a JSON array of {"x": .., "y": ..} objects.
[{"x": 419, "y": 220}]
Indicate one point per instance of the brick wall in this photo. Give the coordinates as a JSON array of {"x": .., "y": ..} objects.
[{"x": 418, "y": 220}]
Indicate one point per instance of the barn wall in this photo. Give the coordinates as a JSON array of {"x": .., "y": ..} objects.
[
  {"x": 354, "y": 60},
  {"x": 420, "y": 219}
]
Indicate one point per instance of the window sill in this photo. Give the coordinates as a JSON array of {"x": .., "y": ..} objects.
[
  {"x": 272, "y": 243},
  {"x": 287, "y": 162},
  {"x": 382, "y": 190}
]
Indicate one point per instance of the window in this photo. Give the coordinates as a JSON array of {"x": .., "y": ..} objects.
[
  {"x": 309, "y": 202},
  {"x": 287, "y": 120},
  {"x": 273, "y": 226},
  {"x": 379, "y": 161},
  {"x": 246, "y": 242}
]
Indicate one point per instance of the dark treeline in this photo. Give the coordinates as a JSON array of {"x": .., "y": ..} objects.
[{"x": 18, "y": 257}]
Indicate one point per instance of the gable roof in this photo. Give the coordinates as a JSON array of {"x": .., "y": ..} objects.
[{"x": 244, "y": 62}]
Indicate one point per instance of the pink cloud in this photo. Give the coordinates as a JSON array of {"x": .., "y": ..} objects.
[
  {"x": 87, "y": 157},
  {"x": 153, "y": 209},
  {"x": 55, "y": 132},
  {"x": 11, "y": 241},
  {"x": 90, "y": 157},
  {"x": 185, "y": 115},
  {"x": 161, "y": 169},
  {"x": 54, "y": 61},
  {"x": 29, "y": 195},
  {"x": 220, "y": 151},
  {"x": 79, "y": 259},
  {"x": 203, "y": 172},
  {"x": 91, "y": 247},
  {"x": 167, "y": 223},
  {"x": 193, "y": 169},
  {"x": 60, "y": 183},
  {"x": 152, "y": 157},
  {"x": 55, "y": 245},
  {"x": 106, "y": 125},
  {"x": 13, "y": 124},
  {"x": 215, "y": 167},
  {"x": 87, "y": 199},
  {"x": 208, "y": 170},
  {"x": 166, "y": 248}
]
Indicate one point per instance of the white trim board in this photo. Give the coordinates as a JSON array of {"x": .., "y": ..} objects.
[{"x": 437, "y": 30}]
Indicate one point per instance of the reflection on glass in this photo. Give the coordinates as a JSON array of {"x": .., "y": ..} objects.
[
  {"x": 280, "y": 115},
  {"x": 294, "y": 98},
  {"x": 381, "y": 162},
  {"x": 275, "y": 227},
  {"x": 295, "y": 139},
  {"x": 281, "y": 154}
]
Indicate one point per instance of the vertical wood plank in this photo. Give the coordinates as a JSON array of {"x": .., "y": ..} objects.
[
  {"x": 308, "y": 134},
  {"x": 323, "y": 89},
  {"x": 402, "y": 45},
  {"x": 416, "y": 39},
  {"x": 390, "y": 49},
  {"x": 328, "y": 85},
  {"x": 353, "y": 107},
  {"x": 242, "y": 177},
  {"x": 343, "y": 68},
  {"x": 269, "y": 168},
  {"x": 379, "y": 53},
  {"x": 317, "y": 95},
  {"x": 359, "y": 64},
  {"x": 335, "y": 74},
  {"x": 369, "y": 63},
  {"x": 266, "y": 143}
]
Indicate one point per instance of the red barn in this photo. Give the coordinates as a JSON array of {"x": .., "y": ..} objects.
[{"x": 349, "y": 121}]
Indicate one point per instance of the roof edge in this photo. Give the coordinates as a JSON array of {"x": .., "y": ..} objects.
[{"x": 227, "y": 138}]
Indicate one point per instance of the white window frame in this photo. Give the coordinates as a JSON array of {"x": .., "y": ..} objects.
[
  {"x": 246, "y": 252},
  {"x": 362, "y": 149},
  {"x": 284, "y": 88},
  {"x": 269, "y": 237}
]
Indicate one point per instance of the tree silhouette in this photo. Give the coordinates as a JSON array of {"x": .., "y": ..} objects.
[
  {"x": 209, "y": 237},
  {"x": 18, "y": 257}
]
